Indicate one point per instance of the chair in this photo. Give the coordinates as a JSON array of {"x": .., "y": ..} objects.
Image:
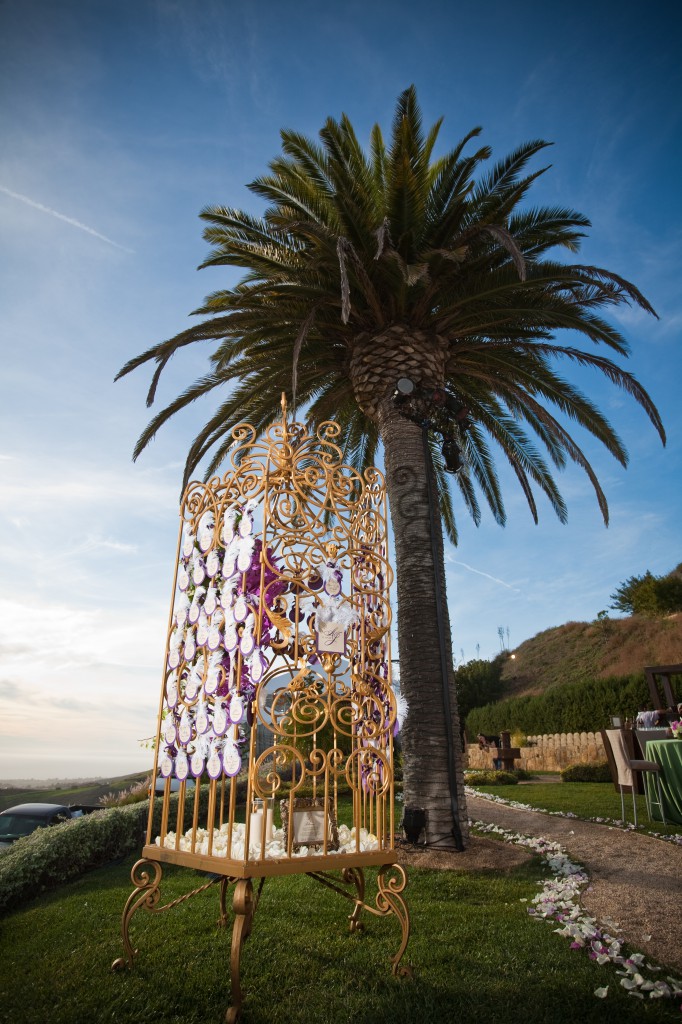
[
  {"x": 644, "y": 735},
  {"x": 627, "y": 769}
]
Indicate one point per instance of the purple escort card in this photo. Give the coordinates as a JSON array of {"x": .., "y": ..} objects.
[
  {"x": 247, "y": 643},
  {"x": 220, "y": 719},
  {"x": 237, "y": 710},
  {"x": 185, "y": 729},
  {"x": 202, "y": 722},
  {"x": 212, "y": 563},
  {"x": 214, "y": 765},
  {"x": 232, "y": 761},
  {"x": 212, "y": 679},
  {"x": 202, "y": 630},
  {"x": 214, "y": 637},
  {"x": 181, "y": 766},
  {"x": 191, "y": 686},
  {"x": 230, "y": 639},
  {"x": 244, "y": 555},
  {"x": 256, "y": 667},
  {"x": 172, "y": 691},
  {"x": 197, "y": 764}
]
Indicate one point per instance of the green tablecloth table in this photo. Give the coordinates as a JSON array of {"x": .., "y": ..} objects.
[{"x": 667, "y": 753}]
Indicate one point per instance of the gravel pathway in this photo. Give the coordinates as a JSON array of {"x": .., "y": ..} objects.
[{"x": 635, "y": 881}]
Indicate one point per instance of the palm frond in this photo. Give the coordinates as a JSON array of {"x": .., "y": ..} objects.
[{"x": 351, "y": 243}]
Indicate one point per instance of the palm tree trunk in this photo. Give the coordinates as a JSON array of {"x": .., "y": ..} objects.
[{"x": 431, "y": 746}]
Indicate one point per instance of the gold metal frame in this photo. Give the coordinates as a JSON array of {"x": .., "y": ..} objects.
[
  {"x": 309, "y": 594},
  {"x": 146, "y": 876}
]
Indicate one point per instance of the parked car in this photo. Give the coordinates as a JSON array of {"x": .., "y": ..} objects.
[
  {"x": 22, "y": 820},
  {"x": 160, "y": 786}
]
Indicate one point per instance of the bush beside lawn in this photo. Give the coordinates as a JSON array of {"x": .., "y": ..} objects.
[
  {"x": 599, "y": 772},
  {"x": 60, "y": 853}
]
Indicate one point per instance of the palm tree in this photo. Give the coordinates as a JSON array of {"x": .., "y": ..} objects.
[{"x": 370, "y": 267}]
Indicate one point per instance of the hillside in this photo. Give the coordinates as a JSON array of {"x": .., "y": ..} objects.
[
  {"x": 90, "y": 793},
  {"x": 591, "y": 650}
]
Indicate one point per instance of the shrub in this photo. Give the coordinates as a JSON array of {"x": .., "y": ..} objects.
[
  {"x": 492, "y": 777},
  {"x": 60, "y": 853},
  {"x": 138, "y": 792},
  {"x": 598, "y": 772},
  {"x": 576, "y": 707},
  {"x": 650, "y": 595},
  {"x": 478, "y": 682}
]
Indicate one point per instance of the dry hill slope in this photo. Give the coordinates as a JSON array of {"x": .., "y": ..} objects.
[{"x": 592, "y": 650}]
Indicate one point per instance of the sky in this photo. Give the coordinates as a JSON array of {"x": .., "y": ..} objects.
[{"x": 120, "y": 120}]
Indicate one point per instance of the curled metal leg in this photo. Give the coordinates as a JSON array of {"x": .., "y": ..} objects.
[
  {"x": 356, "y": 877},
  {"x": 390, "y": 901},
  {"x": 224, "y": 882},
  {"x": 145, "y": 894},
  {"x": 244, "y": 906}
]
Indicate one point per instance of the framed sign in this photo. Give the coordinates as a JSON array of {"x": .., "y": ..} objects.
[
  {"x": 331, "y": 638},
  {"x": 310, "y": 819}
]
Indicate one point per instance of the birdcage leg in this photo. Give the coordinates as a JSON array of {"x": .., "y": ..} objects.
[
  {"x": 224, "y": 883},
  {"x": 390, "y": 901},
  {"x": 356, "y": 877},
  {"x": 145, "y": 894},
  {"x": 244, "y": 904}
]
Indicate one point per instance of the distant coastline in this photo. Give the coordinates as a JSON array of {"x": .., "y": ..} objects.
[{"x": 62, "y": 782}]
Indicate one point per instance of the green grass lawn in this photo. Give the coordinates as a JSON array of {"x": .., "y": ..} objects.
[
  {"x": 585, "y": 799},
  {"x": 477, "y": 955}
]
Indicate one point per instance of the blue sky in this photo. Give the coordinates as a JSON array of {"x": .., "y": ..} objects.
[{"x": 120, "y": 120}]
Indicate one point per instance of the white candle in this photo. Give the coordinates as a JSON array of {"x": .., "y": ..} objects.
[{"x": 256, "y": 826}]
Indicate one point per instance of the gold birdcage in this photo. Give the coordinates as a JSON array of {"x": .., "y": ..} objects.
[{"x": 277, "y": 715}]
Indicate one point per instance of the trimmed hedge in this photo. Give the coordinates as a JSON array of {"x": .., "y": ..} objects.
[
  {"x": 598, "y": 772},
  {"x": 576, "y": 707},
  {"x": 492, "y": 777},
  {"x": 60, "y": 853}
]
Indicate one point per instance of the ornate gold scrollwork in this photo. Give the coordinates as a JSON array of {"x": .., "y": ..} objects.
[
  {"x": 291, "y": 544},
  {"x": 145, "y": 894},
  {"x": 267, "y": 781},
  {"x": 369, "y": 768},
  {"x": 356, "y": 877},
  {"x": 391, "y": 882},
  {"x": 390, "y": 901}
]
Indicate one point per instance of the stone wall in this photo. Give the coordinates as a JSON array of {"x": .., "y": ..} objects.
[{"x": 547, "y": 753}]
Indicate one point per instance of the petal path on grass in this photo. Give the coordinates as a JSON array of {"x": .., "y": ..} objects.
[{"x": 635, "y": 881}]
